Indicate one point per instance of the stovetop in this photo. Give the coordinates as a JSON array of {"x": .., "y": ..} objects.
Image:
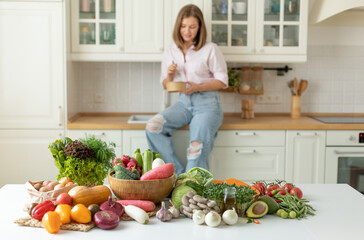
[{"x": 338, "y": 120}]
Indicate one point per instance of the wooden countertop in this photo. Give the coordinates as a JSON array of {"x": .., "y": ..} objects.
[{"x": 232, "y": 121}]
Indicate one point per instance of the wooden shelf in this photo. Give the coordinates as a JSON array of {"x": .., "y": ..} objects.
[{"x": 237, "y": 90}]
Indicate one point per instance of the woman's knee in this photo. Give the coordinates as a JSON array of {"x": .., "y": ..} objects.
[
  {"x": 194, "y": 150},
  {"x": 155, "y": 124}
]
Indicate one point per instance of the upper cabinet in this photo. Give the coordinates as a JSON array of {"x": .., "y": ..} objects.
[
  {"x": 258, "y": 30},
  {"x": 32, "y": 65},
  {"x": 140, "y": 30},
  {"x": 131, "y": 30}
]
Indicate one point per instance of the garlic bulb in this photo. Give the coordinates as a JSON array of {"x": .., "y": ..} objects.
[
  {"x": 198, "y": 217},
  {"x": 230, "y": 217},
  {"x": 163, "y": 214}
]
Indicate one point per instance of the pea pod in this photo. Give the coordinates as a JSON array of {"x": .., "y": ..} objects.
[
  {"x": 138, "y": 157},
  {"x": 147, "y": 161}
]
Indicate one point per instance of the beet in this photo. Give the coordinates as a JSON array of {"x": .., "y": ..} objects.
[{"x": 106, "y": 219}]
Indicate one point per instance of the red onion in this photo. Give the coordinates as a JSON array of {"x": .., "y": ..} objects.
[
  {"x": 112, "y": 206},
  {"x": 106, "y": 219}
]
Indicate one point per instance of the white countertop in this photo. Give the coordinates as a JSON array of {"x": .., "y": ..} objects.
[{"x": 339, "y": 215}]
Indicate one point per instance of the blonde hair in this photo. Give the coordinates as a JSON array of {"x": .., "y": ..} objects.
[{"x": 190, "y": 11}]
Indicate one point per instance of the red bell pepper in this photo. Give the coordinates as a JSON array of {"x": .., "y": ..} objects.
[{"x": 42, "y": 208}]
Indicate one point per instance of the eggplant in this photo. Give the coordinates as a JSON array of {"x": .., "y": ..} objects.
[{"x": 106, "y": 219}]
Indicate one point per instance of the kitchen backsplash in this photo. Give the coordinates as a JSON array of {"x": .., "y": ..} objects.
[{"x": 335, "y": 75}]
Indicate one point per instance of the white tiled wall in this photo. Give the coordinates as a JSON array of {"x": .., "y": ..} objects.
[{"x": 335, "y": 75}]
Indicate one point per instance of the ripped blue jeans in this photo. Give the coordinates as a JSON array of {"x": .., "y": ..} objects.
[{"x": 202, "y": 111}]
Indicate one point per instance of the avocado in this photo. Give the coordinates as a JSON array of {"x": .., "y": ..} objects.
[
  {"x": 257, "y": 210},
  {"x": 272, "y": 204}
]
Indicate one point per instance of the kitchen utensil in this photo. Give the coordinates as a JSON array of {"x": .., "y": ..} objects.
[
  {"x": 302, "y": 86},
  {"x": 152, "y": 190},
  {"x": 295, "y": 85},
  {"x": 290, "y": 85}
]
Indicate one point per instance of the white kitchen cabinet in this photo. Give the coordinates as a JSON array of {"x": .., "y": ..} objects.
[
  {"x": 108, "y": 136},
  {"x": 32, "y": 65},
  {"x": 258, "y": 30},
  {"x": 132, "y": 30},
  {"x": 305, "y": 156},
  {"x": 133, "y": 139},
  {"x": 25, "y": 155},
  {"x": 96, "y": 26},
  {"x": 248, "y": 155}
]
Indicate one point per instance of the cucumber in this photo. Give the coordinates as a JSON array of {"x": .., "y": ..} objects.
[
  {"x": 125, "y": 173},
  {"x": 147, "y": 161}
]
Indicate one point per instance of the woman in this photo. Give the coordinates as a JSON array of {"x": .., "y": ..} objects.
[{"x": 202, "y": 66}]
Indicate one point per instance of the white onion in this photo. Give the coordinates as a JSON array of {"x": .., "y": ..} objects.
[
  {"x": 230, "y": 217},
  {"x": 198, "y": 217},
  {"x": 212, "y": 219}
]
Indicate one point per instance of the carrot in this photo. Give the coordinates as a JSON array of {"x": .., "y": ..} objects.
[
  {"x": 238, "y": 183},
  {"x": 160, "y": 172},
  {"x": 147, "y": 206},
  {"x": 218, "y": 181}
]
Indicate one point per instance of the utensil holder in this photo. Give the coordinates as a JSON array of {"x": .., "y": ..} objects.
[
  {"x": 296, "y": 107},
  {"x": 247, "y": 109}
]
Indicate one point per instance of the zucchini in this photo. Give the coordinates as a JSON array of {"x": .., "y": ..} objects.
[{"x": 147, "y": 161}]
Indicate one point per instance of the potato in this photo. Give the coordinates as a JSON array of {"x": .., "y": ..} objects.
[
  {"x": 44, "y": 189},
  {"x": 37, "y": 186},
  {"x": 69, "y": 184},
  {"x": 64, "y": 180},
  {"x": 46, "y": 182},
  {"x": 52, "y": 185},
  {"x": 58, "y": 186}
]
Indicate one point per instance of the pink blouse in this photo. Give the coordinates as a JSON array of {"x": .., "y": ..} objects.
[{"x": 200, "y": 66}]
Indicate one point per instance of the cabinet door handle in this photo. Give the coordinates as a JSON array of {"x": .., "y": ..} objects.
[
  {"x": 307, "y": 134},
  {"x": 245, "y": 151},
  {"x": 343, "y": 152},
  {"x": 101, "y": 135},
  {"x": 60, "y": 120},
  {"x": 245, "y": 133}
]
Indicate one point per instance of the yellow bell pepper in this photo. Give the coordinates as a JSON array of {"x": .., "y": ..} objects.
[
  {"x": 81, "y": 214},
  {"x": 51, "y": 222},
  {"x": 64, "y": 211}
]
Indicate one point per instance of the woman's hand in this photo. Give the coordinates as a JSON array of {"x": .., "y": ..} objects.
[
  {"x": 171, "y": 71},
  {"x": 194, "y": 87}
]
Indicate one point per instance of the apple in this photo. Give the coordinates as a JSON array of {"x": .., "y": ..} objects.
[{"x": 64, "y": 198}]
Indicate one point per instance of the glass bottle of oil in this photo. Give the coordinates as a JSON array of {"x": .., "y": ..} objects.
[{"x": 229, "y": 199}]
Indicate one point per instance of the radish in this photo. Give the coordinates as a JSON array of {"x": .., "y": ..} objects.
[
  {"x": 147, "y": 206},
  {"x": 137, "y": 214},
  {"x": 160, "y": 172}
]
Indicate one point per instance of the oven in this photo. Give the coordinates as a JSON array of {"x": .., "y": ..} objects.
[{"x": 345, "y": 158}]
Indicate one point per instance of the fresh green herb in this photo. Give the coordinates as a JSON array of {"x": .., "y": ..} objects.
[
  {"x": 293, "y": 203},
  {"x": 234, "y": 78},
  {"x": 89, "y": 171},
  {"x": 243, "y": 194}
]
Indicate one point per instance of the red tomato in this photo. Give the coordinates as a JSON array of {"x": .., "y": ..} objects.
[
  {"x": 64, "y": 198},
  {"x": 282, "y": 192},
  {"x": 260, "y": 187},
  {"x": 298, "y": 192},
  {"x": 272, "y": 187},
  {"x": 288, "y": 187}
]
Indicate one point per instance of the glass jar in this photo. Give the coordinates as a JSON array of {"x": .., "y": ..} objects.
[
  {"x": 84, "y": 35},
  {"x": 229, "y": 199},
  {"x": 257, "y": 83},
  {"x": 245, "y": 79}
]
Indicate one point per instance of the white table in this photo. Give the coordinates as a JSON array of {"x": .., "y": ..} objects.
[{"x": 339, "y": 215}]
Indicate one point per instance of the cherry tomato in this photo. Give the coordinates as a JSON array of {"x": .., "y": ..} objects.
[
  {"x": 288, "y": 187},
  {"x": 298, "y": 192},
  {"x": 282, "y": 192}
]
